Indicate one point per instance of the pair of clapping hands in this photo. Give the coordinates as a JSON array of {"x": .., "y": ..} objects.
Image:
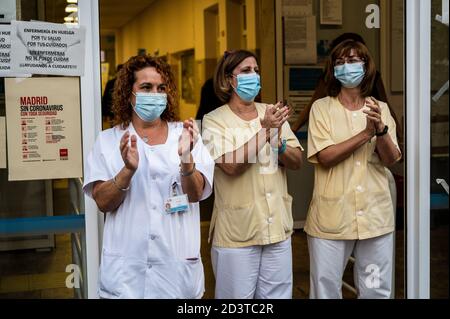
[
  {"x": 186, "y": 142},
  {"x": 373, "y": 111},
  {"x": 274, "y": 118},
  {"x": 276, "y": 115}
]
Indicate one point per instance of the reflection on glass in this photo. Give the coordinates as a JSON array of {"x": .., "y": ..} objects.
[{"x": 439, "y": 221}]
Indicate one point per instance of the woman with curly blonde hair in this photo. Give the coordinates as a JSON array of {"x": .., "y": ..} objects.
[{"x": 148, "y": 174}]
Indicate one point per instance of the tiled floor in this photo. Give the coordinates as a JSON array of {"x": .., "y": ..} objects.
[{"x": 32, "y": 274}]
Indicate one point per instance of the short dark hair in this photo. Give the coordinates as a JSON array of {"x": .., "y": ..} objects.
[
  {"x": 346, "y": 36},
  {"x": 224, "y": 69},
  {"x": 333, "y": 86}
]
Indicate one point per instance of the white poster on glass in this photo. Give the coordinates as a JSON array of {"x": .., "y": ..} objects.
[
  {"x": 47, "y": 48},
  {"x": 43, "y": 128},
  {"x": 7, "y": 11},
  {"x": 5, "y": 53},
  {"x": 5, "y": 49}
]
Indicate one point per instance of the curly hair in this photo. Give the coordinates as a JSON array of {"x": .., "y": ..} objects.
[{"x": 123, "y": 87}]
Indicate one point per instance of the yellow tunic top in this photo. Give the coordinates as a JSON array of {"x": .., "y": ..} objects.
[
  {"x": 352, "y": 199},
  {"x": 255, "y": 207}
]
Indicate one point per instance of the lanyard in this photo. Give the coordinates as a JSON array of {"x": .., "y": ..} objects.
[{"x": 174, "y": 189}]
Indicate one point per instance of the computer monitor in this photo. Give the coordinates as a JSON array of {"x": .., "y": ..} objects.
[{"x": 301, "y": 80}]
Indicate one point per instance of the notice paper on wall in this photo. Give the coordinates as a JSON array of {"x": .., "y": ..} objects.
[
  {"x": 5, "y": 49},
  {"x": 47, "y": 48},
  {"x": 331, "y": 12},
  {"x": 297, "y": 8},
  {"x": 300, "y": 40},
  {"x": 2, "y": 142},
  {"x": 5, "y": 53},
  {"x": 7, "y": 11},
  {"x": 43, "y": 128}
]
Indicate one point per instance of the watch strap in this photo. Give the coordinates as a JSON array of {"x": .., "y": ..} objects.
[{"x": 383, "y": 132}]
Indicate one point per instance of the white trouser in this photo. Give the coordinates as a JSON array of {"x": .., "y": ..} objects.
[
  {"x": 260, "y": 272},
  {"x": 372, "y": 270}
]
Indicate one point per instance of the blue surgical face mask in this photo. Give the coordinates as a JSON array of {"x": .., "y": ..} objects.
[
  {"x": 350, "y": 74},
  {"x": 248, "y": 86},
  {"x": 149, "y": 106}
]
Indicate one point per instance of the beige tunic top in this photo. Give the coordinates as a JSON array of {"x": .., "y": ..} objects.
[
  {"x": 255, "y": 207},
  {"x": 350, "y": 200}
]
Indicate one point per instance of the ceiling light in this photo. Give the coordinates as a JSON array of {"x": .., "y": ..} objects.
[
  {"x": 72, "y": 8},
  {"x": 72, "y": 1}
]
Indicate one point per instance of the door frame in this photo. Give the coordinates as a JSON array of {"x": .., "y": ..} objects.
[
  {"x": 90, "y": 82},
  {"x": 417, "y": 141}
]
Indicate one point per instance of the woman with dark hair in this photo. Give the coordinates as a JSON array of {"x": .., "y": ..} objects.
[
  {"x": 107, "y": 97},
  {"x": 252, "y": 224},
  {"x": 378, "y": 90},
  {"x": 208, "y": 99},
  {"x": 351, "y": 139},
  {"x": 147, "y": 174}
]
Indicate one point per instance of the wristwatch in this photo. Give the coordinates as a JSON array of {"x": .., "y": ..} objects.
[{"x": 383, "y": 132}]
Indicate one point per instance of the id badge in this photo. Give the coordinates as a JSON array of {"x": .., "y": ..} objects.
[{"x": 177, "y": 204}]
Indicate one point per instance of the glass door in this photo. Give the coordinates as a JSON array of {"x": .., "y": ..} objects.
[
  {"x": 427, "y": 148},
  {"x": 43, "y": 232},
  {"x": 439, "y": 179}
]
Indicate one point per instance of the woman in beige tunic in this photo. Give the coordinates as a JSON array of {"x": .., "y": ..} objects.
[
  {"x": 252, "y": 222},
  {"x": 351, "y": 139}
]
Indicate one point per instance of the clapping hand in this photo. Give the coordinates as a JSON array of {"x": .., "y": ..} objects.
[
  {"x": 188, "y": 138},
  {"x": 129, "y": 151},
  {"x": 275, "y": 115},
  {"x": 374, "y": 121}
]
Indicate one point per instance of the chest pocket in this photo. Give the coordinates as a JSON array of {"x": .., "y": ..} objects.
[{"x": 182, "y": 227}]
